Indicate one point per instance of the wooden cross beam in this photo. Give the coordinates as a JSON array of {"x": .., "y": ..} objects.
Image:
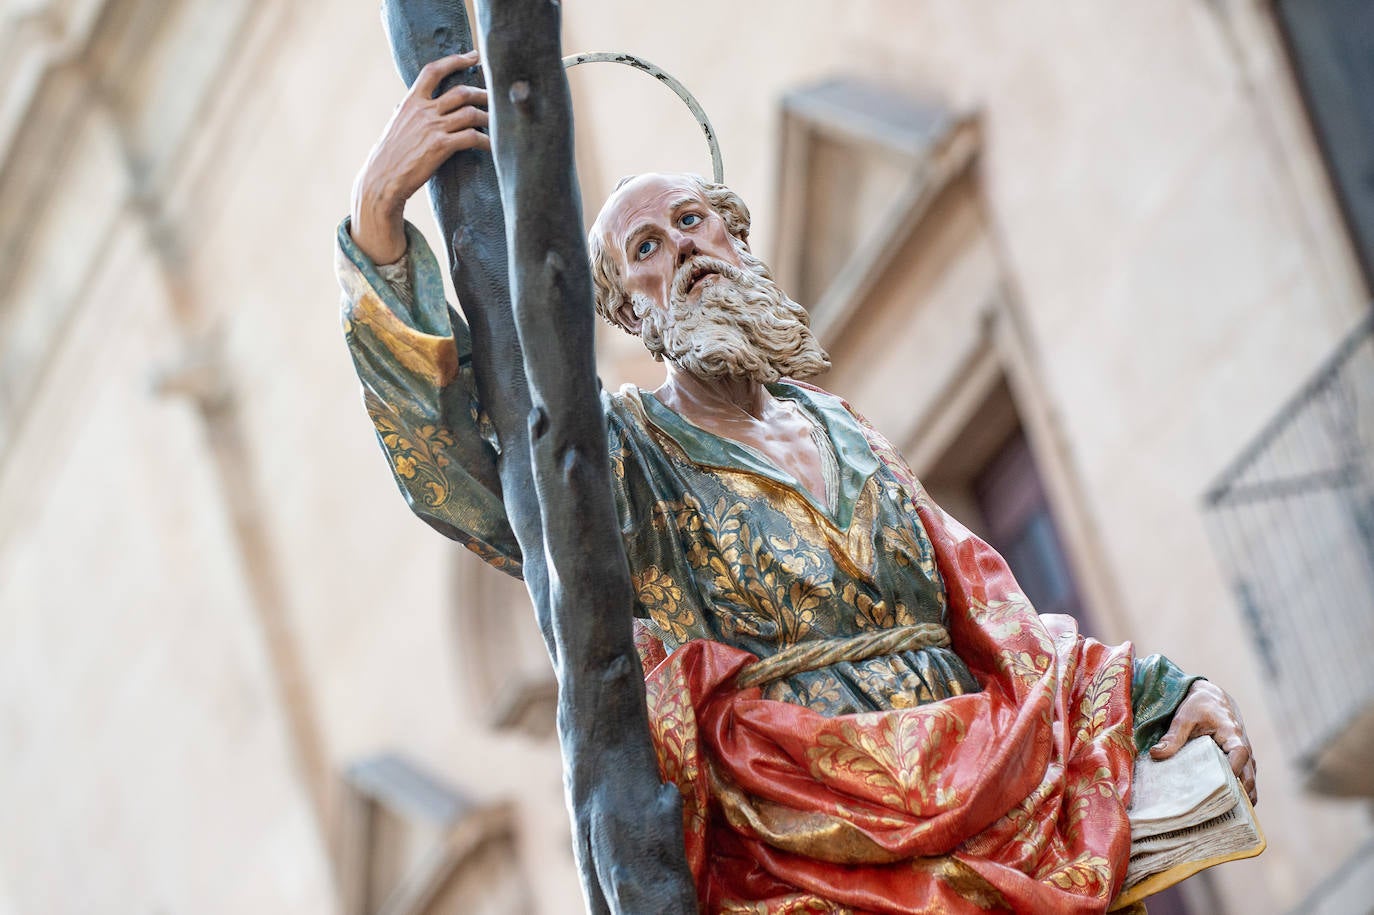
[{"x": 513, "y": 221}]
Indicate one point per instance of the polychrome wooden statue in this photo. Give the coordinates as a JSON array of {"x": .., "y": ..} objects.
[{"x": 859, "y": 707}]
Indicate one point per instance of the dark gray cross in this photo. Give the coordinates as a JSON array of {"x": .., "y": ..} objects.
[{"x": 513, "y": 221}]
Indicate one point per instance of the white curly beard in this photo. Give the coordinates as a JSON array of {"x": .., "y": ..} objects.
[{"x": 742, "y": 326}]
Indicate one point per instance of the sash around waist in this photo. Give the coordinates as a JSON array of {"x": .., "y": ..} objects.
[{"x": 820, "y": 653}]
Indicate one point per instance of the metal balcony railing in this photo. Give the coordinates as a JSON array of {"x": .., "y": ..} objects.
[{"x": 1293, "y": 518}]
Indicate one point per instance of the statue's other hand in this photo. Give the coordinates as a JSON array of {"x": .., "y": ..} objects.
[
  {"x": 423, "y": 132},
  {"x": 1209, "y": 710}
]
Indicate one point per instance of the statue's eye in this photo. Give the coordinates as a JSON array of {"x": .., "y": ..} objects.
[
  {"x": 690, "y": 219},
  {"x": 646, "y": 247}
]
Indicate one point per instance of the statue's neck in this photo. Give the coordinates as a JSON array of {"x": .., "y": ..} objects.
[
  {"x": 709, "y": 400},
  {"x": 747, "y": 413}
]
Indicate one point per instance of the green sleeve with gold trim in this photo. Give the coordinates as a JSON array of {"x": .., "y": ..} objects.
[
  {"x": 414, "y": 362},
  {"x": 1158, "y": 686}
]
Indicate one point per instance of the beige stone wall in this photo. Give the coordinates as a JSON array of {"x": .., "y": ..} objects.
[{"x": 1146, "y": 187}]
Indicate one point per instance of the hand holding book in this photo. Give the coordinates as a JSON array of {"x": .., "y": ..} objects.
[
  {"x": 1208, "y": 710},
  {"x": 1192, "y": 796},
  {"x": 1187, "y": 813}
]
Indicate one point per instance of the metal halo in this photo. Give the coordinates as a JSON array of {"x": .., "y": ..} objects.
[{"x": 639, "y": 63}]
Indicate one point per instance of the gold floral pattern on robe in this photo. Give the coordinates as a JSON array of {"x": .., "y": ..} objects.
[{"x": 735, "y": 551}]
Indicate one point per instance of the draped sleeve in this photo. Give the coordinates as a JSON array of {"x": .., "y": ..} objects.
[
  {"x": 1158, "y": 686},
  {"x": 413, "y": 358}
]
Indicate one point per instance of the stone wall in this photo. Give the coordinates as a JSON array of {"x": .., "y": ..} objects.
[{"x": 212, "y": 598}]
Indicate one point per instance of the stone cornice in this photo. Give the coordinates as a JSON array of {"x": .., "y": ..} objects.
[{"x": 107, "y": 106}]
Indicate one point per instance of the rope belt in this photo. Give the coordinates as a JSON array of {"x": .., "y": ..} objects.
[{"x": 806, "y": 656}]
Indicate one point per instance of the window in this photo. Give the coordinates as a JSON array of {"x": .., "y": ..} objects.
[
  {"x": 1011, "y": 498},
  {"x": 988, "y": 479},
  {"x": 1331, "y": 43}
]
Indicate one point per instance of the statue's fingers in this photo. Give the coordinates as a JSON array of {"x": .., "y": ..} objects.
[
  {"x": 1181, "y": 730},
  {"x": 463, "y": 118},
  {"x": 1248, "y": 780},
  {"x": 460, "y": 96},
  {"x": 433, "y": 73},
  {"x": 468, "y": 139},
  {"x": 1238, "y": 754}
]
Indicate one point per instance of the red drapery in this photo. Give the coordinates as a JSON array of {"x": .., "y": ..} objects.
[{"x": 1012, "y": 798}]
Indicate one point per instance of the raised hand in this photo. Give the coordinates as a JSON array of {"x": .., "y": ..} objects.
[{"x": 423, "y": 132}]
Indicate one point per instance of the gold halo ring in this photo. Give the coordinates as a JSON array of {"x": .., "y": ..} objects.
[{"x": 639, "y": 63}]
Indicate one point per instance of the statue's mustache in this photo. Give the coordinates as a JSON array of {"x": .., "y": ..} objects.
[{"x": 698, "y": 266}]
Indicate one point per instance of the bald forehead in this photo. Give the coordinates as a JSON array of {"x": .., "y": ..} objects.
[{"x": 645, "y": 199}]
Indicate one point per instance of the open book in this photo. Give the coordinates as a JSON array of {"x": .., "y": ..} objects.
[{"x": 1187, "y": 813}]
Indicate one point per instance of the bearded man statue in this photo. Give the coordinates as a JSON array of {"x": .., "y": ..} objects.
[{"x": 861, "y": 710}]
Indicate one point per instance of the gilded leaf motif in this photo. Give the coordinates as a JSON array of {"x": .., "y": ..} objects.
[
  {"x": 1082, "y": 794},
  {"x": 661, "y": 597},
  {"x": 1014, "y": 620},
  {"x": 1094, "y": 709},
  {"x": 775, "y": 585},
  {"x": 1023, "y": 665},
  {"x": 1030, "y": 834},
  {"x": 491, "y": 556},
  {"x": 418, "y": 455},
  {"x": 618, "y": 454},
  {"x": 798, "y": 904},
  {"x": 1086, "y": 873},
  {"x": 820, "y": 692},
  {"x": 673, "y": 726},
  {"x": 899, "y": 756},
  {"x": 874, "y": 614},
  {"x": 1009, "y": 616},
  {"x": 910, "y": 549}
]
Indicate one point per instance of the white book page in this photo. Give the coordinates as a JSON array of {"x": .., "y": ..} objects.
[{"x": 1189, "y": 787}]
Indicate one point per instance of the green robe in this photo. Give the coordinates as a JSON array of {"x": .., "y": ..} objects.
[{"x": 721, "y": 543}]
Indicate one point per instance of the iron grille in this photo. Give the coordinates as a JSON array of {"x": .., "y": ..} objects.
[{"x": 1293, "y": 518}]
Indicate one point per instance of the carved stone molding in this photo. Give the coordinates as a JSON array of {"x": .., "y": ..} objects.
[
  {"x": 409, "y": 844},
  {"x": 858, "y": 164},
  {"x": 106, "y": 107}
]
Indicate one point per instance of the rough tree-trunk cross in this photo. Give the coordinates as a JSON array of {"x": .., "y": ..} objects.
[{"x": 513, "y": 222}]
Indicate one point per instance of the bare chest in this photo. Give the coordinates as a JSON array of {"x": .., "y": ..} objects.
[{"x": 787, "y": 441}]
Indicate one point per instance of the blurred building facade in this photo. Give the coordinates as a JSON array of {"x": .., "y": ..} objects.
[{"x": 1101, "y": 270}]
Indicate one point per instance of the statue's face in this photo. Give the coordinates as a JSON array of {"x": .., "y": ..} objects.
[
  {"x": 653, "y": 226},
  {"x": 691, "y": 290}
]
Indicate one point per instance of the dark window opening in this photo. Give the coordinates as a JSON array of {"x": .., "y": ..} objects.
[
  {"x": 1016, "y": 512},
  {"x": 1331, "y": 45}
]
